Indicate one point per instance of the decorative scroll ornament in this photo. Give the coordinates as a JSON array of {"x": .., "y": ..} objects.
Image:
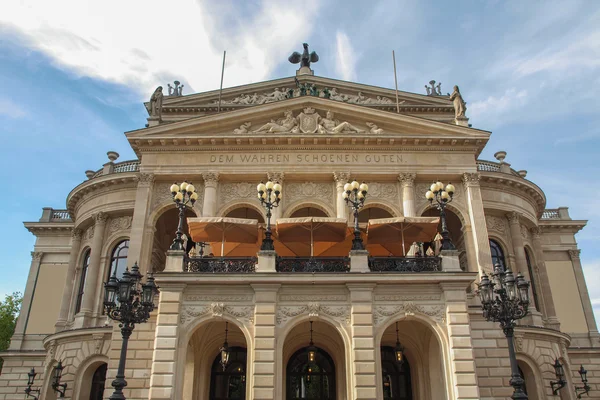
[
  {"x": 338, "y": 313},
  {"x": 519, "y": 343},
  {"x": 384, "y": 312},
  {"x": 189, "y": 313},
  {"x": 98, "y": 343},
  {"x": 383, "y": 191},
  {"x": 306, "y": 190},
  {"x": 230, "y": 191},
  {"x": 495, "y": 224},
  {"x": 119, "y": 224}
]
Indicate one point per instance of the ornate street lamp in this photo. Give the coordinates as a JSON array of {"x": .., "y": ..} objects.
[
  {"x": 224, "y": 350},
  {"x": 30, "y": 380},
  {"x": 184, "y": 196},
  {"x": 442, "y": 197},
  {"x": 585, "y": 389},
  {"x": 505, "y": 299},
  {"x": 58, "y": 387},
  {"x": 355, "y": 195},
  {"x": 269, "y": 195},
  {"x": 560, "y": 381},
  {"x": 399, "y": 349},
  {"x": 129, "y": 302}
]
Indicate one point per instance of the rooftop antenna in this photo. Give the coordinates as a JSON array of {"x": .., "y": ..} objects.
[
  {"x": 396, "y": 81},
  {"x": 221, "y": 89}
]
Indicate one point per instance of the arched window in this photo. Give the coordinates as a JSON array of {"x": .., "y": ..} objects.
[
  {"x": 396, "y": 377},
  {"x": 373, "y": 213},
  {"x": 229, "y": 384},
  {"x": 98, "y": 381},
  {"x": 310, "y": 380},
  {"x": 497, "y": 254},
  {"x": 118, "y": 259},
  {"x": 84, "y": 268},
  {"x": 532, "y": 279},
  {"x": 308, "y": 212},
  {"x": 246, "y": 213}
]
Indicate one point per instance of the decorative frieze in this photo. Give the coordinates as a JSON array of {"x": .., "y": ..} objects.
[
  {"x": 314, "y": 309},
  {"x": 308, "y": 190},
  {"x": 383, "y": 191},
  {"x": 218, "y": 298},
  {"x": 230, "y": 191},
  {"x": 405, "y": 297},
  {"x": 382, "y": 313},
  {"x": 191, "y": 312}
]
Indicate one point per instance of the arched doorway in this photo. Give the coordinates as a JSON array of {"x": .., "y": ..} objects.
[
  {"x": 396, "y": 379},
  {"x": 229, "y": 383},
  {"x": 310, "y": 380},
  {"x": 98, "y": 382}
]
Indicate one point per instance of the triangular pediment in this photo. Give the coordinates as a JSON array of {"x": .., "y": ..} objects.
[
  {"x": 308, "y": 120},
  {"x": 176, "y": 108}
]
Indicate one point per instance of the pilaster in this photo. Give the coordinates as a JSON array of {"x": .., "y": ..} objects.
[
  {"x": 407, "y": 184},
  {"x": 265, "y": 342},
  {"x": 21, "y": 326},
  {"x": 363, "y": 374},
  {"x": 211, "y": 183},
  {"x": 477, "y": 221},
  {"x": 583, "y": 291},
  {"x": 67, "y": 295},
  {"x": 162, "y": 376},
  {"x": 470, "y": 248},
  {"x": 548, "y": 309},
  {"x": 340, "y": 178},
  {"x": 277, "y": 211},
  {"x": 137, "y": 244}
]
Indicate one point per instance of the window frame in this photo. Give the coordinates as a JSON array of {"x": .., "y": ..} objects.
[
  {"x": 87, "y": 254},
  {"x": 495, "y": 246}
]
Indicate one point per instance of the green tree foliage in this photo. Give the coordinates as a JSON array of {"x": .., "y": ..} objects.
[{"x": 9, "y": 311}]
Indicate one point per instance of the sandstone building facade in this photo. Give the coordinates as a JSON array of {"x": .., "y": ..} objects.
[{"x": 312, "y": 142}]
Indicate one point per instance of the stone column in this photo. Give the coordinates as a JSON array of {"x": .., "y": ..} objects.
[
  {"x": 407, "y": 183},
  {"x": 514, "y": 222},
  {"x": 265, "y": 342},
  {"x": 94, "y": 270},
  {"x": 544, "y": 282},
  {"x": 21, "y": 326},
  {"x": 462, "y": 357},
  {"x": 477, "y": 219},
  {"x": 162, "y": 376},
  {"x": 211, "y": 182},
  {"x": 583, "y": 291},
  {"x": 470, "y": 248},
  {"x": 137, "y": 244},
  {"x": 341, "y": 178},
  {"x": 278, "y": 211},
  {"x": 70, "y": 283},
  {"x": 364, "y": 378}
]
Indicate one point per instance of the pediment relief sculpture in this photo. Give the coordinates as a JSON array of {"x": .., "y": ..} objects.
[{"x": 309, "y": 121}]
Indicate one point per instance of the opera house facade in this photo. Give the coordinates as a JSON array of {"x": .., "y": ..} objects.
[{"x": 324, "y": 309}]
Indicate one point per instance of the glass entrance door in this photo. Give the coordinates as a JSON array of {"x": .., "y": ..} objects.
[
  {"x": 229, "y": 384},
  {"x": 310, "y": 380}
]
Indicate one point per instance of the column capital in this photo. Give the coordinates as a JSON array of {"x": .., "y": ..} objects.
[
  {"x": 407, "y": 178},
  {"x": 513, "y": 217},
  {"x": 211, "y": 178},
  {"x": 471, "y": 179},
  {"x": 276, "y": 176},
  {"x": 76, "y": 234},
  {"x": 100, "y": 217},
  {"x": 535, "y": 232},
  {"x": 574, "y": 254},
  {"x": 144, "y": 179},
  {"x": 36, "y": 255},
  {"x": 341, "y": 177}
]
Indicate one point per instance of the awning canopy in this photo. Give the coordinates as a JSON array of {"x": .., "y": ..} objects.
[
  {"x": 223, "y": 229},
  {"x": 403, "y": 231},
  {"x": 319, "y": 233}
]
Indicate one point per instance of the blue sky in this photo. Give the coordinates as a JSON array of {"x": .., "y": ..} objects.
[{"x": 75, "y": 73}]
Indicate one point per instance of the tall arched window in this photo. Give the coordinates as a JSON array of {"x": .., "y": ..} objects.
[
  {"x": 118, "y": 259},
  {"x": 497, "y": 254},
  {"x": 532, "y": 279},
  {"x": 84, "y": 267}
]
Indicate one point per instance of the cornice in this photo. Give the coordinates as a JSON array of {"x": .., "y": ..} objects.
[
  {"x": 571, "y": 226},
  {"x": 516, "y": 185},
  {"x": 77, "y": 333},
  {"x": 542, "y": 333},
  {"x": 49, "y": 228}
]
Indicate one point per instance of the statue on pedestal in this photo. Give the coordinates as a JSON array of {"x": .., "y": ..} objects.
[
  {"x": 460, "y": 106},
  {"x": 156, "y": 101}
]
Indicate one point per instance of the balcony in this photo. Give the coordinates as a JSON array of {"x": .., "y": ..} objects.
[
  {"x": 220, "y": 265},
  {"x": 312, "y": 264},
  {"x": 405, "y": 264}
]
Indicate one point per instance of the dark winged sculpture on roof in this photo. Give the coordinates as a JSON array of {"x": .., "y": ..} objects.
[{"x": 305, "y": 58}]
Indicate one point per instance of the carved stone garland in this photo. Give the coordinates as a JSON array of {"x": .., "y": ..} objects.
[
  {"x": 319, "y": 190},
  {"x": 230, "y": 191},
  {"x": 338, "y": 313},
  {"x": 495, "y": 223},
  {"x": 119, "y": 224},
  {"x": 382, "y": 313},
  {"x": 242, "y": 313},
  {"x": 384, "y": 191}
]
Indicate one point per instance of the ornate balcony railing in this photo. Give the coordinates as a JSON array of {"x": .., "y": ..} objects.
[
  {"x": 313, "y": 264},
  {"x": 218, "y": 265},
  {"x": 551, "y": 214},
  {"x": 490, "y": 166},
  {"x": 405, "y": 264},
  {"x": 60, "y": 215},
  {"x": 125, "y": 166}
]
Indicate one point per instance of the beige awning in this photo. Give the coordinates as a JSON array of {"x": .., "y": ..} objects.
[
  {"x": 320, "y": 233},
  {"x": 401, "y": 231},
  {"x": 223, "y": 230}
]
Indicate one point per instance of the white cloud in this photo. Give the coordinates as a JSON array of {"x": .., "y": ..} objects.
[
  {"x": 492, "y": 111},
  {"x": 135, "y": 42},
  {"x": 592, "y": 277},
  {"x": 345, "y": 57},
  {"x": 9, "y": 109}
]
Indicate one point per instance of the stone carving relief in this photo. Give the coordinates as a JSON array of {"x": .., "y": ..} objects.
[
  {"x": 229, "y": 191},
  {"x": 98, "y": 343},
  {"x": 119, "y": 224},
  {"x": 384, "y": 312},
  {"x": 243, "y": 128},
  {"x": 338, "y": 313},
  {"x": 434, "y": 90},
  {"x": 471, "y": 179},
  {"x": 144, "y": 179},
  {"x": 495, "y": 223},
  {"x": 374, "y": 129},
  {"x": 383, "y": 191},
  {"x": 242, "y": 313},
  {"x": 519, "y": 343},
  {"x": 89, "y": 233},
  {"x": 306, "y": 190},
  {"x": 525, "y": 232}
]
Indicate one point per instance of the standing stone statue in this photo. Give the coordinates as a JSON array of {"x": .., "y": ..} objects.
[
  {"x": 305, "y": 58},
  {"x": 460, "y": 106},
  {"x": 156, "y": 103}
]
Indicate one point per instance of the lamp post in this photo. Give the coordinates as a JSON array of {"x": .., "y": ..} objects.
[
  {"x": 442, "y": 197},
  {"x": 183, "y": 195},
  {"x": 560, "y": 382},
  {"x": 58, "y": 387},
  {"x": 269, "y": 195},
  {"x": 129, "y": 302},
  {"x": 355, "y": 195},
  {"x": 505, "y": 299},
  {"x": 30, "y": 380},
  {"x": 585, "y": 389}
]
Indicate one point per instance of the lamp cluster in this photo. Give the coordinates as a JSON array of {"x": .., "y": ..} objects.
[
  {"x": 355, "y": 195},
  {"x": 442, "y": 197},
  {"x": 183, "y": 195},
  {"x": 511, "y": 300},
  {"x": 269, "y": 195}
]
